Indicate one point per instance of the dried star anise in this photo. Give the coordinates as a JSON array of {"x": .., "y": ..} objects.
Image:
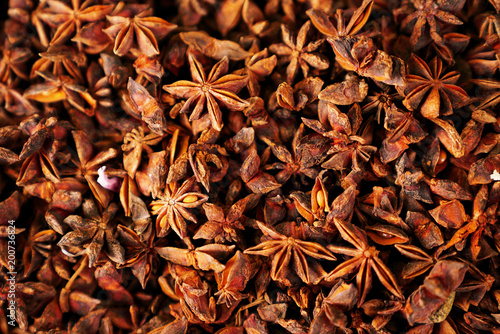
[
  {"x": 139, "y": 254},
  {"x": 358, "y": 53},
  {"x": 147, "y": 29},
  {"x": 431, "y": 91},
  {"x": 88, "y": 166},
  {"x": 208, "y": 91},
  {"x": 296, "y": 53},
  {"x": 172, "y": 207},
  {"x": 92, "y": 233},
  {"x": 69, "y": 20},
  {"x": 290, "y": 256},
  {"x": 222, "y": 227},
  {"x": 483, "y": 216},
  {"x": 426, "y": 14},
  {"x": 365, "y": 259},
  {"x": 134, "y": 143}
]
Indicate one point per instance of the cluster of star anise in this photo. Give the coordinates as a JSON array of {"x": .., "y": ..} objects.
[{"x": 245, "y": 166}]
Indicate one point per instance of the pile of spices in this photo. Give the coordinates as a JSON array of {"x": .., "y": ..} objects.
[{"x": 250, "y": 166}]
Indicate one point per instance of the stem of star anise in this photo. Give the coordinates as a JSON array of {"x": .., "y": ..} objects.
[
  {"x": 64, "y": 296},
  {"x": 83, "y": 264},
  {"x": 239, "y": 318}
]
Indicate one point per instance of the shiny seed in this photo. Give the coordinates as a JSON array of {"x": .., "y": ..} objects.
[
  {"x": 442, "y": 157},
  {"x": 320, "y": 197},
  {"x": 190, "y": 199}
]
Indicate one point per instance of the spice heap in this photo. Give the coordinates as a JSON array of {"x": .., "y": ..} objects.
[{"x": 245, "y": 166}]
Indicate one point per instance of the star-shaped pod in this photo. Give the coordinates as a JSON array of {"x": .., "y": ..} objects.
[
  {"x": 291, "y": 256},
  {"x": 209, "y": 92},
  {"x": 172, "y": 205},
  {"x": 431, "y": 90}
]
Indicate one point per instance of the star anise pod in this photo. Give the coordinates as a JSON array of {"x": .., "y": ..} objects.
[
  {"x": 90, "y": 322},
  {"x": 147, "y": 30},
  {"x": 69, "y": 21},
  {"x": 302, "y": 94},
  {"x": 341, "y": 208},
  {"x": 442, "y": 281},
  {"x": 483, "y": 170},
  {"x": 291, "y": 256},
  {"x": 147, "y": 107},
  {"x": 62, "y": 88},
  {"x": 351, "y": 90},
  {"x": 402, "y": 130},
  {"x": 258, "y": 181},
  {"x": 100, "y": 90},
  {"x": 231, "y": 12},
  {"x": 257, "y": 66},
  {"x": 364, "y": 259},
  {"x": 381, "y": 311},
  {"x": 172, "y": 208},
  {"x": 411, "y": 179},
  {"x": 63, "y": 202},
  {"x": 297, "y": 54},
  {"x": 382, "y": 203},
  {"x": 196, "y": 302},
  {"x": 492, "y": 86},
  {"x": 358, "y": 53},
  {"x": 202, "y": 42},
  {"x": 134, "y": 143},
  {"x": 424, "y": 19},
  {"x": 208, "y": 162},
  {"x": 331, "y": 310},
  {"x": 109, "y": 279},
  {"x": 223, "y": 227},
  {"x": 432, "y": 91},
  {"x": 350, "y": 138},
  {"x": 209, "y": 92},
  {"x": 39, "y": 152},
  {"x": 93, "y": 233},
  {"x": 484, "y": 59},
  {"x": 301, "y": 162},
  {"x": 483, "y": 217},
  {"x": 140, "y": 255},
  {"x": 148, "y": 69},
  {"x": 92, "y": 37},
  {"x": 16, "y": 26},
  {"x": 14, "y": 102},
  {"x": 114, "y": 69},
  {"x": 481, "y": 321},
  {"x": 288, "y": 7},
  {"x": 233, "y": 279},
  {"x": 88, "y": 165},
  {"x": 487, "y": 25},
  {"x": 38, "y": 246},
  {"x": 13, "y": 64},
  {"x": 61, "y": 60},
  {"x": 474, "y": 287},
  {"x": 421, "y": 262},
  {"x": 30, "y": 298},
  {"x": 381, "y": 101}
]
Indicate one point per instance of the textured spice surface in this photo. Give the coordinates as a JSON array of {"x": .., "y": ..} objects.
[{"x": 248, "y": 166}]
